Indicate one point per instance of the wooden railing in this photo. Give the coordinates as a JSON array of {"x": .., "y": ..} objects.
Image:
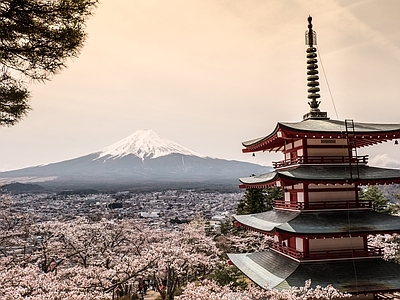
[
  {"x": 321, "y": 160},
  {"x": 327, "y": 254},
  {"x": 317, "y": 205},
  {"x": 286, "y": 250},
  {"x": 369, "y": 252}
]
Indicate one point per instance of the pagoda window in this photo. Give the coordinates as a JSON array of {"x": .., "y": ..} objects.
[
  {"x": 297, "y": 143},
  {"x": 300, "y": 197},
  {"x": 293, "y": 145},
  {"x": 287, "y": 156},
  {"x": 327, "y": 142},
  {"x": 288, "y": 146},
  {"x": 293, "y": 153},
  {"x": 327, "y": 151},
  {"x": 299, "y": 244},
  {"x": 332, "y": 196},
  {"x": 298, "y": 186},
  {"x": 327, "y": 147},
  {"x": 293, "y": 193},
  {"x": 332, "y": 244},
  {"x": 300, "y": 152},
  {"x": 287, "y": 196}
]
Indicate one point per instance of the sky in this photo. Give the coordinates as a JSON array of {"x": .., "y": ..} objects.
[{"x": 210, "y": 74}]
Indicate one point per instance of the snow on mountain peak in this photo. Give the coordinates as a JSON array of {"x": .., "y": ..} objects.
[{"x": 145, "y": 144}]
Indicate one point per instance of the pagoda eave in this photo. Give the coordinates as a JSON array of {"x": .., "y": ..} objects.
[
  {"x": 267, "y": 232},
  {"x": 271, "y": 270},
  {"x": 320, "y": 224},
  {"x": 323, "y": 174},
  {"x": 344, "y": 181},
  {"x": 275, "y": 144},
  {"x": 305, "y": 235},
  {"x": 364, "y": 134},
  {"x": 287, "y": 234}
]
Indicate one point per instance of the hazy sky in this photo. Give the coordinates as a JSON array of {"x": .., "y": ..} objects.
[{"x": 209, "y": 74}]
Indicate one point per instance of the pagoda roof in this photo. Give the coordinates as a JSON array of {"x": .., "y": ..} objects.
[
  {"x": 365, "y": 133},
  {"x": 323, "y": 174},
  {"x": 270, "y": 269},
  {"x": 321, "y": 223}
]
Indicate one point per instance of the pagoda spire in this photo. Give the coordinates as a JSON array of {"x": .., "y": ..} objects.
[{"x": 312, "y": 72}]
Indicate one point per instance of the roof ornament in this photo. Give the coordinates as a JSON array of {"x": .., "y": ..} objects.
[{"x": 312, "y": 72}]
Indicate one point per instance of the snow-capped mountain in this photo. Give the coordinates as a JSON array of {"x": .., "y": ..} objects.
[
  {"x": 143, "y": 158},
  {"x": 145, "y": 144}
]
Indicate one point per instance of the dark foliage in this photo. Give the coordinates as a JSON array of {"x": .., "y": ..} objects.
[
  {"x": 380, "y": 202},
  {"x": 229, "y": 275},
  {"x": 258, "y": 200},
  {"x": 36, "y": 39}
]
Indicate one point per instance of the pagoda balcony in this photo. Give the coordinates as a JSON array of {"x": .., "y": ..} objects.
[
  {"x": 321, "y": 205},
  {"x": 327, "y": 254},
  {"x": 361, "y": 160}
]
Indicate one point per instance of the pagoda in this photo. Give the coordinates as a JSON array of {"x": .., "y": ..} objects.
[{"x": 320, "y": 229}]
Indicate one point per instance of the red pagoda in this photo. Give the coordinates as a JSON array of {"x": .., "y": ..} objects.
[{"x": 320, "y": 229}]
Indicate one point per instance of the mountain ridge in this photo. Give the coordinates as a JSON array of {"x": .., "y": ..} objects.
[
  {"x": 141, "y": 158},
  {"x": 145, "y": 144}
]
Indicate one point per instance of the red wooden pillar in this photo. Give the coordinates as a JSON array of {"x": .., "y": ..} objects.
[
  {"x": 306, "y": 247},
  {"x": 305, "y": 188},
  {"x": 365, "y": 240}
]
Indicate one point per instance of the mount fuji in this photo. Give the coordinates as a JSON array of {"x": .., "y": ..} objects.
[
  {"x": 145, "y": 144},
  {"x": 142, "y": 159}
]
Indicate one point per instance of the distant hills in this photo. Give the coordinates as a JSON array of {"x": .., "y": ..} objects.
[
  {"x": 18, "y": 187},
  {"x": 140, "y": 160}
]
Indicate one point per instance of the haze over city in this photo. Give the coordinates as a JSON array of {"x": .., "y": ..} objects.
[{"x": 211, "y": 74}]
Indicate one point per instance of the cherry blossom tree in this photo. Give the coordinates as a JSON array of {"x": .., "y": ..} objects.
[
  {"x": 209, "y": 290},
  {"x": 390, "y": 243},
  {"x": 31, "y": 283},
  {"x": 96, "y": 258},
  {"x": 183, "y": 256},
  {"x": 14, "y": 233},
  {"x": 110, "y": 259},
  {"x": 241, "y": 240},
  {"x": 107, "y": 258}
]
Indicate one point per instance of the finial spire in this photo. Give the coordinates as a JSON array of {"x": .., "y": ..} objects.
[
  {"x": 311, "y": 37},
  {"x": 312, "y": 72}
]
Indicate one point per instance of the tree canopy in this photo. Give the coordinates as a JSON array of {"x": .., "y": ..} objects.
[
  {"x": 379, "y": 200},
  {"x": 258, "y": 200},
  {"x": 104, "y": 259},
  {"x": 36, "y": 39}
]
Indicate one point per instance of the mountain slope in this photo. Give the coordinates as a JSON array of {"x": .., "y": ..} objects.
[{"x": 142, "y": 157}]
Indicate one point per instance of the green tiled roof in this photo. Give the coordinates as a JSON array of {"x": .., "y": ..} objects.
[
  {"x": 321, "y": 223},
  {"x": 267, "y": 269},
  {"x": 354, "y": 276},
  {"x": 267, "y": 221}
]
